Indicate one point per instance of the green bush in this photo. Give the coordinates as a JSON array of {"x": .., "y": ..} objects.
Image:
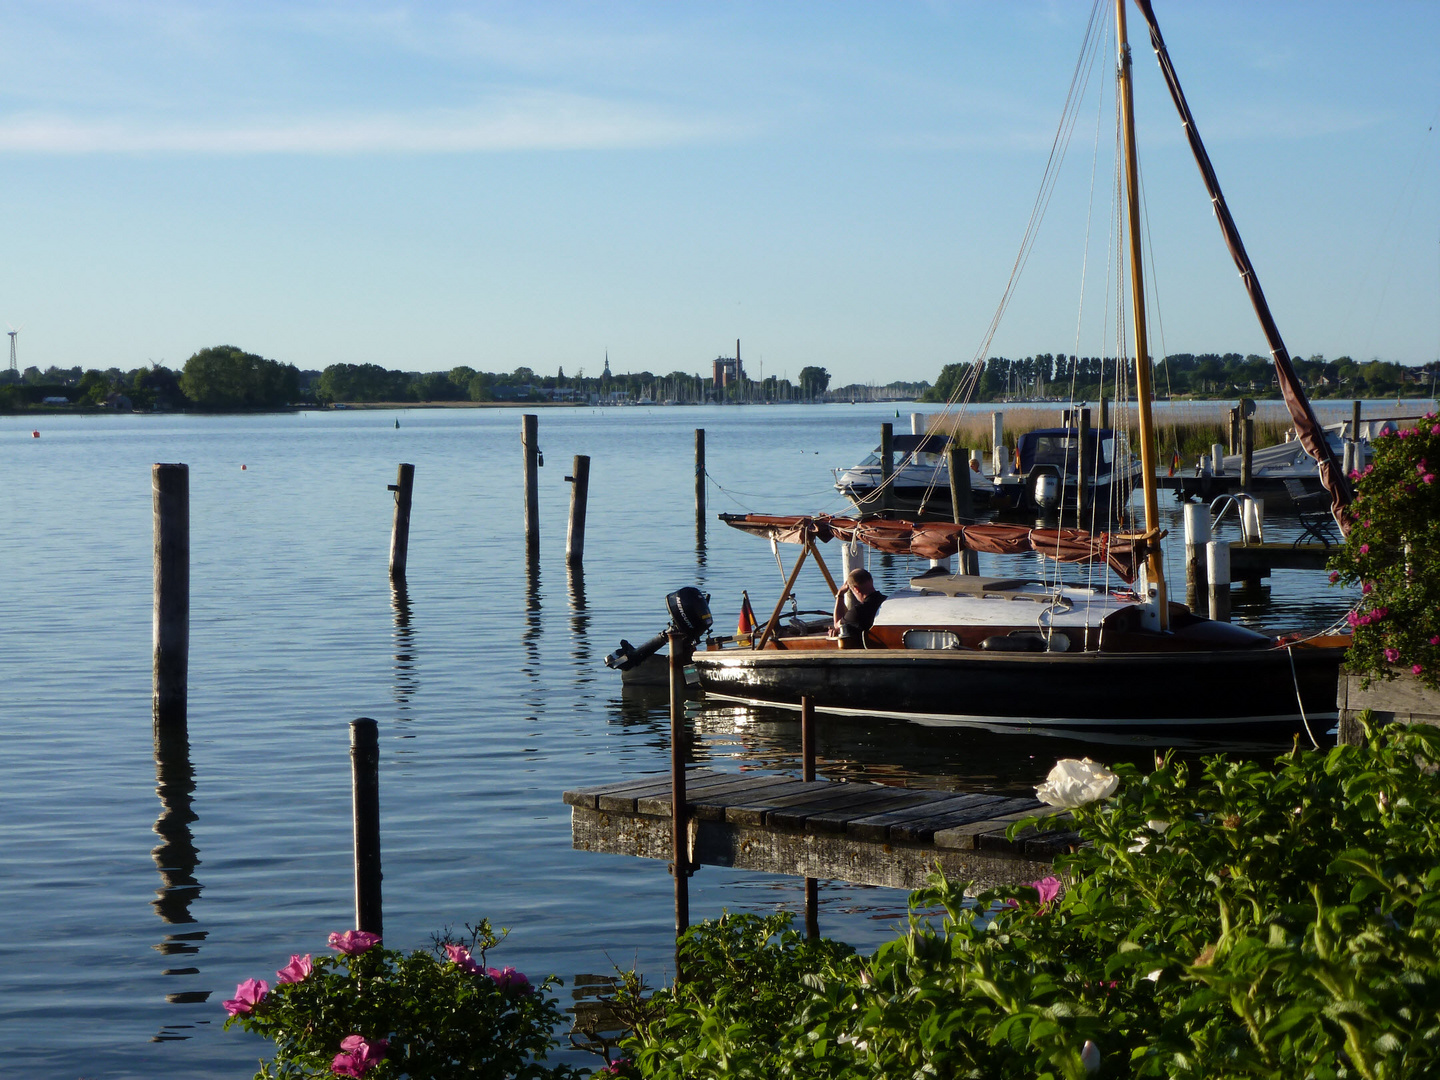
[
  {"x": 1393, "y": 554},
  {"x": 1225, "y": 920}
]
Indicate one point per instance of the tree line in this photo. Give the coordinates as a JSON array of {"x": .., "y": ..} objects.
[{"x": 1216, "y": 375}]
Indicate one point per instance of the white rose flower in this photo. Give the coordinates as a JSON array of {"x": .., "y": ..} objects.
[{"x": 1074, "y": 783}]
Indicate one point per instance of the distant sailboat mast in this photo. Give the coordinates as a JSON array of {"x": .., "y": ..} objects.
[{"x": 1154, "y": 563}]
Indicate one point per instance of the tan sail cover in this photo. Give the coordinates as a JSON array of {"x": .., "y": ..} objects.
[{"x": 941, "y": 539}]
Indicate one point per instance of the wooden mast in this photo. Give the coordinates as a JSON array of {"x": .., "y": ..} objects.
[{"x": 1154, "y": 563}]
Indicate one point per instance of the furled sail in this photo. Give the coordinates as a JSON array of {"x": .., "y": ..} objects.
[
  {"x": 1312, "y": 437},
  {"x": 941, "y": 539}
]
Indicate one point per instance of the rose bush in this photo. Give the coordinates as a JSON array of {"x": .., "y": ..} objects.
[
  {"x": 1393, "y": 555},
  {"x": 377, "y": 1013}
]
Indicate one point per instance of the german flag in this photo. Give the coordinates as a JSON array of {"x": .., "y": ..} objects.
[
  {"x": 746, "y": 625},
  {"x": 1174, "y": 464}
]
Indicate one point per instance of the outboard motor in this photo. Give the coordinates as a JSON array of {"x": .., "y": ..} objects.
[
  {"x": 1045, "y": 487},
  {"x": 689, "y": 616}
]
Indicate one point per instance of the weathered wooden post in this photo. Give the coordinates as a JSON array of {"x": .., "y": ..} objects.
[
  {"x": 887, "y": 466},
  {"x": 400, "y": 531},
  {"x": 1085, "y": 466},
  {"x": 529, "y": 444},
  {"x": 170, "y": 498},
  {"x": 1104, "y": 412},
  {"x": 700, "y": 475},
  {"x": 1197, "y": 536},
  {"x": 1234, "y": 442},
  {"x": 1217, "y": 559},
  {"x": 1247, "y": 449},
  {"x": 1355, "y": 428},
  {"x": 579, "y": 479},
  {"x": 957, "y": 461},
  {"x": 679, "y": 826},
  {"x": 365, "y": 800},
  {"x": 807, "y": 774}
]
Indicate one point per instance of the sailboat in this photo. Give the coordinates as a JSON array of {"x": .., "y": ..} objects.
[{"x": 1035, "y": 652}]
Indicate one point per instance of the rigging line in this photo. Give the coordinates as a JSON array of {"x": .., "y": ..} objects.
[
  {"x": 1290, "y": 651},
  {"x": 1152, "y": 293}
]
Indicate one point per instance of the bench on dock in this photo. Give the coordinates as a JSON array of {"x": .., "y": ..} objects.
[{"x": 870, "y": 834}]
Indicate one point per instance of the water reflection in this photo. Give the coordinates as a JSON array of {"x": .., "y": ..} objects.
[
  {"x": 530, "y": 636},
  {"x": 580, "y": 651},
  {"x": 406, "y": 682},
  {"x": 176, "y": 857}
]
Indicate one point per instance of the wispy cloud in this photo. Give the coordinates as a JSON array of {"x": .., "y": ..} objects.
[{"x": 525, "y": 121}]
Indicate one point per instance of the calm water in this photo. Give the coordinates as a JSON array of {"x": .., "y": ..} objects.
[{"x": 127, "y": 918}]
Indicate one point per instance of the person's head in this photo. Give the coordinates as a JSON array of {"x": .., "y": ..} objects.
[{"x": 860, "y": 580}]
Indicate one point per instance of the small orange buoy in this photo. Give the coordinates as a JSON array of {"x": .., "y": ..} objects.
[{"x": 34, "y": 434}]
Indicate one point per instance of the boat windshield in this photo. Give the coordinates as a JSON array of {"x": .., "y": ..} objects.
[{"x": 1058, "y": 450}]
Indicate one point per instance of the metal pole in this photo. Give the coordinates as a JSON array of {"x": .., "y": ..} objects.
[
  {"x": 400, "y": 531},
  {"x": 365, "y": 798},
  {"x": 579, "y": 495},
  {"x": 529, "y": 444},
  {"x": 170, "y": 497}
]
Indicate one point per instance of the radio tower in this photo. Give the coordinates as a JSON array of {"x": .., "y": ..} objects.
[{"x": 14, "y": 367}]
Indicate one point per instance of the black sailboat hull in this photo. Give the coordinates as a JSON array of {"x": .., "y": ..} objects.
[{"x": 1103, "y": 691}]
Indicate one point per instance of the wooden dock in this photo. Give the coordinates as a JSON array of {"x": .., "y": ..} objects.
[
  {"x": 1254, "y": 561},
  {"x": 871, "y": 834}
]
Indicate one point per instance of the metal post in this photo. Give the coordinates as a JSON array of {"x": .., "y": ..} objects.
[
  {"x": 365, "y": 799},
  {"x": 170, "y": 497},
  {"x": 1217, "y": 559},
  {"x": 887, "y": 466},
  {"x": 997, "y": 443},
  {"x": 579, "y": 494},
  {"x": 529, "y": 444},
  {"x": 1197, "y": 535},
  {"x": 1217, "y": 459},
  {"x": 400, "y": 530},
  {"x": 679, "y": 827},
  {"x": 917, "y": 423}
]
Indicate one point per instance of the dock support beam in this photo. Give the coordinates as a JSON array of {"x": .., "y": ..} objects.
[
  {"x": 887, "y": 466},
  {"x": 700, "y": 478},
  {"x": 1197, "y": 536},
  {"x": 1217, "y": 557},
  {"x": 679, "y": 827},
  {"x": 365, "y": 801}
]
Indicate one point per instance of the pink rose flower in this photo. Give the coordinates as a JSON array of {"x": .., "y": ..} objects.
[
  {"x": 1428, "y": 478},
  {"x": 247, "y": 995},
  {"x": 357, "y": 1055},
  {"x": 353, "y": 942},
  {"x": 1352, "y": 619},
  {"x": 1379, "y": 613},
  {"x": 1415, "y": 670},
  {"x": 1391, "y": 655},
  {"x": 1435, "y": 430},
  {"x": 1334, "y": 576},
  {"x": 461, "y": 958},
  {"x": 509, "y": 980},
  {"x": 1048, "y": 888},
  {"x": 1364, "y": 550},
  {"x": 1365, "y": 587},
  {"x": 296, "y": 970},
  {"x": 1435, "y": 640}
]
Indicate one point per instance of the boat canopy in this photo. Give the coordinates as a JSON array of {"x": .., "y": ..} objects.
[{"x": 941, "y": 539}]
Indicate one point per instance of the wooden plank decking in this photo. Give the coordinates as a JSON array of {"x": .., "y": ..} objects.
[{"x": 871, "y": 834}]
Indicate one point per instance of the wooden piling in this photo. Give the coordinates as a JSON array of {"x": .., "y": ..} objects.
[
  {"x": 807, "y": 775},
  {"x": 1197, "y": 535},
  {"x": 1234, "y": 441},
  {"x": 700, "y": 477},
  {"x": 887, "y": 466},
  {"x": 1086, "y": 467},
  {"x": 1355, "y": 427},
  {"x": 1247, "y": 450},
  {"x": 957, "y": 462},
  {"x": 679, "y": 827},
  {"x": 170, "y": 497},
  {"x": 1104, "y": 412},
  {"x": 400, "y": 530},
  {"x": 917, "y": 423},
  {"x": 1217, "y": 560},
  {"x": 365, "y": 799},
  {"x": 529, "y": 444},
  {"x": 579, "y": 494}
]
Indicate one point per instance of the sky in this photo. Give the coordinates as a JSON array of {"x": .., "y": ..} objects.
[{"x": 840, "y": 184}]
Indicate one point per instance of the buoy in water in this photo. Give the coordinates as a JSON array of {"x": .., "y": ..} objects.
[
  {"x": 397, "y": 423},
  {"x": 243, "y": 467},
  {"x": 34, "y": 434}
]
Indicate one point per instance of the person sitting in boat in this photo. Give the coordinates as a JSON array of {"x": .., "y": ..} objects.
[{"x": 856, "y": 605}]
